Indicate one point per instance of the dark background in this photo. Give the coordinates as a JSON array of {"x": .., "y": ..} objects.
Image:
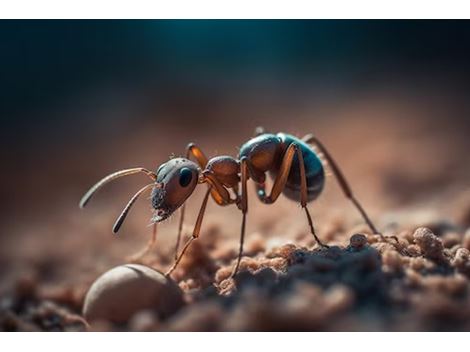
[{"x": 51, "y": 69}]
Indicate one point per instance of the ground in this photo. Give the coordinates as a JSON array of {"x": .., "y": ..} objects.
[{"x": 407, "y": 164}]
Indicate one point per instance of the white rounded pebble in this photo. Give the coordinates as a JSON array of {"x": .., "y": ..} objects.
[{"x": 124, "y": 290}]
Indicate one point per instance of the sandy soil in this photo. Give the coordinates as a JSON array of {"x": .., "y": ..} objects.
[{"x": 407, "y": 165}]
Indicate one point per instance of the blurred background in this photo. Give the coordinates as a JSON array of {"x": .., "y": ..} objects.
[{"x": 80, "y": 99}]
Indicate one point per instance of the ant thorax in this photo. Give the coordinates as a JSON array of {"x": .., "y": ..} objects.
[{"x": 226, "y": 169}]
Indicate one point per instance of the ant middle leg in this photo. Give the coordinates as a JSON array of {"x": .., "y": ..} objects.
[
  {"x": 280, "y": 183},
  {"x": 281, "y": 178},
  {"x": 243, "y": 205}
]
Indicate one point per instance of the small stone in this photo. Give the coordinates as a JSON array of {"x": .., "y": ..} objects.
[
  {"x": 420, "y": 263},
  {"x": 127, "y": 289},
  {"x": 413, "y": 250},
  {"x": 358, "y": 241},
  {"x": 283, "y": 251},
  {"x": 461, "y": 261},
  {"x": 430, "y": 244},
  {"x": 223, "y": 274}
]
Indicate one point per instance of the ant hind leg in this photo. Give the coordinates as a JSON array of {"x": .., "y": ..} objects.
[
  {"x": 311, "y": 139},
  {"x": 303, "y": 197}
]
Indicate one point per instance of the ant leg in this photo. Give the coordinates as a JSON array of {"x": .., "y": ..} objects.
[
  {"x": 193, "y": 149},
  {"x": 303, "y": 196},
  {"x": 244, "y": 209},
  {"x": 196, "y": 231},
  {"x": 202, "y": 160},
  {"x": 219, "y": 192},
  {"x": 220, "y": 195},
  {"x": 310, "y": 138},
  {"x": 139, "y": 255},
  {"x": 281, "y": 178},
  {"x": 198, "y": 154}
]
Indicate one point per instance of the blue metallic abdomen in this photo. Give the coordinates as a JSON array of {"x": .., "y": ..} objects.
[{"x": 313, "y": 169}]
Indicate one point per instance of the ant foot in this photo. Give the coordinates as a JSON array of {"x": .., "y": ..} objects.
[
  {"x": 322, "y": 245},
  {"x": 170, "y": 271}
]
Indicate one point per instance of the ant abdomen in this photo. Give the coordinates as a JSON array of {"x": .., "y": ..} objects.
[
  {"x": 263, "y": 153},
  {"x": 314, "y": 170}
]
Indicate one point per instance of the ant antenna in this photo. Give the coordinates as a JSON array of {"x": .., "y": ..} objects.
[
  {"x": 122, "y": 217},
  {"x": 86, "y": 198}
]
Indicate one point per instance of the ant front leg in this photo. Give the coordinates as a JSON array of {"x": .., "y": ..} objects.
[
  {"x": 280, "y": 183},
  {"x": 311, "y": 139},
  {"x": 196, "y": 231},
  {"x": 198, "y": 154}
]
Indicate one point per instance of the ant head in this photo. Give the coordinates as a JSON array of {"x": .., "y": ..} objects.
[{"x": 177, "y": 179}]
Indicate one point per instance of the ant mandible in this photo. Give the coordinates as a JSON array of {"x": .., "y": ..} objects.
[{"x": 295, "y": 167}]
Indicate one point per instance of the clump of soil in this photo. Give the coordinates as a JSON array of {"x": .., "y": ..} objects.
[
  {"x": 409, "y": 282},
  {"x": 415, "y": 277},
  {"x": 374, "y": 283},
  {"x": 413, "y": 280},
  {"x": 28, "y": 309}
]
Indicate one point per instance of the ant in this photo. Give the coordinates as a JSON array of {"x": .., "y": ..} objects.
[{"x": 296, "y": 168}]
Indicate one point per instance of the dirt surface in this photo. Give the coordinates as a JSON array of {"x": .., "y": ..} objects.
[{"x": 407, "y": 165}]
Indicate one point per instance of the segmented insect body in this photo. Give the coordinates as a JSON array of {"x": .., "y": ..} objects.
[{"x": 296, "y": 170}]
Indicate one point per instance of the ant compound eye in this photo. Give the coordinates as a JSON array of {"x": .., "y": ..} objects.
[{"x": 186, "y": 176}]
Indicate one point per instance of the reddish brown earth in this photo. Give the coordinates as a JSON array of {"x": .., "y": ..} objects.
[{"x": 406, "y": 161}]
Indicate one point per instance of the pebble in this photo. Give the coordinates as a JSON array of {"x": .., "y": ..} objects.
[
  {"x": 127, "y": 289},
  {"x": 358, "y": 241},
  {"x": 461, "y": 261},
  {"x": 430, "y": 244}
]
